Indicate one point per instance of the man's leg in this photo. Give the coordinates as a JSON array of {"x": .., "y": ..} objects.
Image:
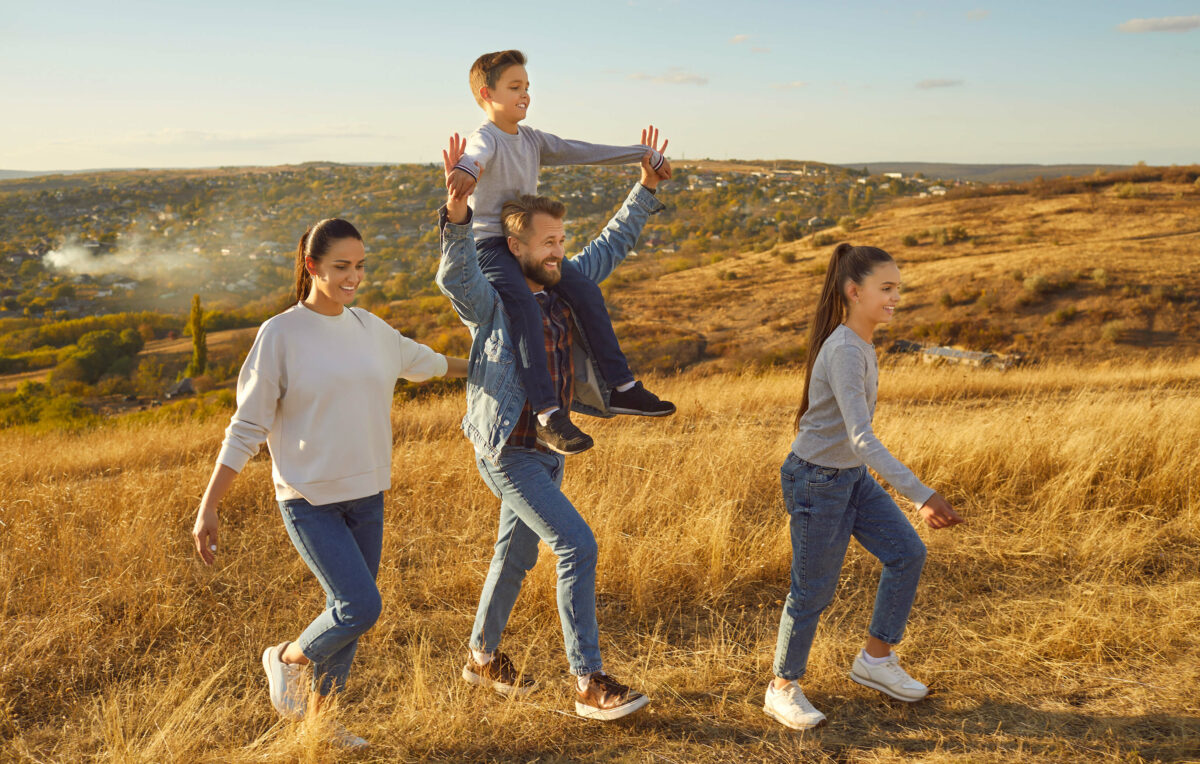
[{"x": 532, "y": 507}]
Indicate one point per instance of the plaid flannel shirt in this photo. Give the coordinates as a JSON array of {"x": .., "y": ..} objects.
[{"x": 556, "y": 322}]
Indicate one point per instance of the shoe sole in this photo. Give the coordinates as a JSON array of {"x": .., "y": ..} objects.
[
  {"x": 890, "y": 693},
  {"x": 791, "y": 725},
  {"x": 507, "y": 690},
  {"x": 266, "y": 661},
  {"x": 558, "y": 450},
  {"x": 639, "y": 412},
  {"x": 608, "y": 714}
]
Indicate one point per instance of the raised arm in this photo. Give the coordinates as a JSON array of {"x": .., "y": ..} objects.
[
  {"x": 459, "y": 276},
  {"x": 560, "y": 151}
]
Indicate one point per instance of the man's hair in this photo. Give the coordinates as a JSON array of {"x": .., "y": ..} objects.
[
  {"x": 516, "y": 216},
  {"x": 487, "y": 69}
]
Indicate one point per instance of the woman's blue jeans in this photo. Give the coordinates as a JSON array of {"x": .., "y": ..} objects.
[
  {"x": 532, "y": 506},
  {"x": 827, "y": 506},
  {"x": 341, "y": 544}
]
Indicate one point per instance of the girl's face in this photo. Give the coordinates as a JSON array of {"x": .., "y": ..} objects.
[
  {"x": 337, "y": 276},
  {"x": 875, "y": 300}
]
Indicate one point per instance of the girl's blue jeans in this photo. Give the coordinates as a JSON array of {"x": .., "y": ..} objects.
[
  {"x": 827, "y": 506},
  {"x": 341, "y": 543}
]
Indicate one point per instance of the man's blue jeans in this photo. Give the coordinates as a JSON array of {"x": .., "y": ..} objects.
[
  {"x": 341, "y": 544},
  {"x": 525, "y": 321},
  {"x": 826, "y": 507},
  {"x": 532, "y": 506}
]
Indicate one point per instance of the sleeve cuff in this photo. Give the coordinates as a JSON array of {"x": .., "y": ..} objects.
[
  {"x": 454, "y": 231},
  {"x": 445, "y": 365},
  {"x": 645, "y": 198},
  {"x": 233, "y": 458},
  {"x": 470, "y": 171}
]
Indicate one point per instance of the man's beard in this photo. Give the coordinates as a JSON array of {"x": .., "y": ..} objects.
[{"x": 539, "y": 274}]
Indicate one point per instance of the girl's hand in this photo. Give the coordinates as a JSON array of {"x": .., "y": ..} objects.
[
  {"x": 937, "y": 513},
  {"x": 204, "y": 533}
]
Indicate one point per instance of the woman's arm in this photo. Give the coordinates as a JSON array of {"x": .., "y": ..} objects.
[
  {"x": 204, "y": 532},
  {"x": 456, "y": 368}
]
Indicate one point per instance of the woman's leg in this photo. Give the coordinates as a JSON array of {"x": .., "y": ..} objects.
[{"x": 341, "y": 544}]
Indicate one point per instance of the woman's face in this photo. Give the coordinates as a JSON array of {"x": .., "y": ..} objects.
[
  {"x": 875, "y": 300},
  {"x": 337, "y": 276}
]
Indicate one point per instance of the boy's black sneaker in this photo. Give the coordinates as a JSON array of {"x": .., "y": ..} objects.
[
  {"x": 639, "y": 401},
  {"x": 560, "y": 434}
]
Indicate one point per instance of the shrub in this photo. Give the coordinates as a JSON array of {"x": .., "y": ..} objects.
[
  {"x": 787, "y": 256},
  {"x": 1060, "y": 317},
  {"x": 946, "y": 300},
  {"x": 1112, "y": 331},
  {"x": 1038, "y": 285},
  {"x": 847, "y": 223},
  {"x": 910, "y": 240},
  {"x": 823, "y": 240}
]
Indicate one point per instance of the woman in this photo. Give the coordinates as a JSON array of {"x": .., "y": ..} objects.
[
  {"x": 830, "y": 496},
  {"x": 317, "y": 386}
]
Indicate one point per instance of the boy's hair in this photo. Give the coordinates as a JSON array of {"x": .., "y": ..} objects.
[
  {"x": 487, "y": 69},
  {"x": 516, "y": 216}
]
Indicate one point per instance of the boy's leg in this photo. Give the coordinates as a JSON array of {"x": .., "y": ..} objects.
[
  {"x": 820, "y": 521},
  {"x": 524, "y": 319},
  {"x": 528, "y": 484},
  {"x": 587, "y": 301}
]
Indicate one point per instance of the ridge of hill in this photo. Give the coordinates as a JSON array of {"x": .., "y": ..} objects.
[{"x": 986, "y": 173}]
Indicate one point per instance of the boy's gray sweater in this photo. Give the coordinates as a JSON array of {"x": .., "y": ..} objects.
[
  {"x": 836, "y": 431},
  {"x": 506, "y": 166}
]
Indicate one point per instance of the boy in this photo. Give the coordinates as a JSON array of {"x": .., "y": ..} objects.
[{"x": 501, "y": 162}]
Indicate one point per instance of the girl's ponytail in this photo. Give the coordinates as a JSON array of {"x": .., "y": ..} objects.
[{"x": 847, "y": 263}]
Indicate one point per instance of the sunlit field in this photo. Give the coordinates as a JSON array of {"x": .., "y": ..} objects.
[{"x": 1058, "y": 624}]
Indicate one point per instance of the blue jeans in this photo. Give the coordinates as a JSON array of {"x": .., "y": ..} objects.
[
  {"x": 532, "y": 507},
  {"x": 341, "y": 544},
  {"x": 525, "y": 321},
  {"x": 826, "y": 507}
]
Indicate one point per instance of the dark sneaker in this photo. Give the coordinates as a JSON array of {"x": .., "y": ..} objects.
[
  {"x": 499, "y": 674},
  {"x": 607, "y": 699},
  {"x": 560, "y": 434},
  {"x": 639, "y": 401}
]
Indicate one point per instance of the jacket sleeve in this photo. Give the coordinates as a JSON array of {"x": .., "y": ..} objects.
[
  {"x": 599, "y": 257},
  {"x": 478, "y": 153},
  {"x": 847, "y": 377},
  {"x": 261, "y": 383},
  {"x": 560, "y": 151},
  {"x": 459, "y": 276}
]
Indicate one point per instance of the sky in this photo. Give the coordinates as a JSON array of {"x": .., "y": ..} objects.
[{"x": 188, "y": 84}]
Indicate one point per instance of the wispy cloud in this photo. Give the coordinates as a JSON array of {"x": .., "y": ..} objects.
[
  {"x": 738, "y": 39},
  {"x": 1164, "y": 24},
  {"x": 979, "y": 14},
  {"x": 794, "y": 85},
  {"x": 931, "y": 84},
  {"x": 673, "y": 76}
]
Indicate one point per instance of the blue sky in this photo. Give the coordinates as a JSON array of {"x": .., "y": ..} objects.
[{"x": 157, "y": 84}]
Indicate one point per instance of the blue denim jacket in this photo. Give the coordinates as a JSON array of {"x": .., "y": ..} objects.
[{"x": 495, "y": 395}]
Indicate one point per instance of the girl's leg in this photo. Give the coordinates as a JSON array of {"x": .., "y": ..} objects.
[
  {"x": 341, "y": 544},
  {"x": 883, "y": 530},
  {"x": 820, "y": 522}
]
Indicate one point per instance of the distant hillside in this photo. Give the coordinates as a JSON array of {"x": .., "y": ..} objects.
[{"x": 985, "y": 173}]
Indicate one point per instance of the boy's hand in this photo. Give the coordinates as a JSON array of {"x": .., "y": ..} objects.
[
  {"x": 650, "y": 139},
  {"x": 937, "y": 513},
  {"x": 456, "y": 199},
  {"x": 459, "y": 182}
]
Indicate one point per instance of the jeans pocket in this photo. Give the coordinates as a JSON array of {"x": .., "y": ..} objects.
[{"x": 817, "y": 476}]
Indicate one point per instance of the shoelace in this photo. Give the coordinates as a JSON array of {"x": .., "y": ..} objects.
[{"x": 608, "y": 685}]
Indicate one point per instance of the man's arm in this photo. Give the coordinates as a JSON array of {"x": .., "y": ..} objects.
[
  {"x": 459, "y": 276},
  {"x": 606, "y": 251}
]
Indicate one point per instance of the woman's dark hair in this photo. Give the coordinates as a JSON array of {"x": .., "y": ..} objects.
[
  {"x": 847, "y": 263},
  {"x": 315, "y": 242}
]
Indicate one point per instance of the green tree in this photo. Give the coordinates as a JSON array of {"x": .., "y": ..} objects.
[{"x": 195, "y": 325}]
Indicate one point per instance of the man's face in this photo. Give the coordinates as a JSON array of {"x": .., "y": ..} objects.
[{"x": 542, "y": 249}]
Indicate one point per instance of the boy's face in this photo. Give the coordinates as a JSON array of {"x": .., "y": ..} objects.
[{"x": 510, "y": 98}]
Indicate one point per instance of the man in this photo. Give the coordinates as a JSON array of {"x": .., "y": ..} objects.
[{"x": 523, "y": 474}]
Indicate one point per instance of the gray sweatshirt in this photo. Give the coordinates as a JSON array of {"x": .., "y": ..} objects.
[
  {"x": 508, "y": 166},
  {"x": 836, "y": 431}
]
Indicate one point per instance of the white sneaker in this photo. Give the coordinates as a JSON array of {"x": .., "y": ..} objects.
[
  {"x": 346, "y": 740},
  {"x": 888, "y": 678},
  {"x": 790, "y": 708},
  {"x": 286, "y": 683}
]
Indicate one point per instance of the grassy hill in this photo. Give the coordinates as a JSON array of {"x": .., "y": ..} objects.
[{"x": 987, "y": 173}]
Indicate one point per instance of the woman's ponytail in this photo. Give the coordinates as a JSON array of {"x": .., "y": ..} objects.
[
  {"x": 315, "y": 242},
  {"x": 847, "y": 263},
  {"x": 303, "y": 279}
]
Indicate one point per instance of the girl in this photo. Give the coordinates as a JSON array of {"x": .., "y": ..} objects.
[
  {"x": 317, "y": 386},
  {"x": 830, "y": 496}
]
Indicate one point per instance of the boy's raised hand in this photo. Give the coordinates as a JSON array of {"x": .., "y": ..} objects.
[
  {"x": 458, "y": 183},
  {"x": 650, "y": 139}
]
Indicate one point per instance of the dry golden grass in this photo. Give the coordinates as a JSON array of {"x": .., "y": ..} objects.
[{"x": 1059, "y": 624}]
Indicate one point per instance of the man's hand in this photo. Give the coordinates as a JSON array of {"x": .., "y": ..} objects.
[
  {"x": 937, "y": 513},
  {"x": 456, "y": 198},
  {"x": 650, "y": 176}
]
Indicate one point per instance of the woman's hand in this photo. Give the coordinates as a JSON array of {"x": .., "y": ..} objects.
[
  {"x": 204, "y": 533},
  {"x": 937, "y": 512}
]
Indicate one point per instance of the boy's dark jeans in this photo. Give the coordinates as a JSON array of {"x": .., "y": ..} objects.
[{"x": 525, "y": 320}]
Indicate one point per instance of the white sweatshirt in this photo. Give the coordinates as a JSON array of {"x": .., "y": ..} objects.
[{"x": 318, "y": 389}]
